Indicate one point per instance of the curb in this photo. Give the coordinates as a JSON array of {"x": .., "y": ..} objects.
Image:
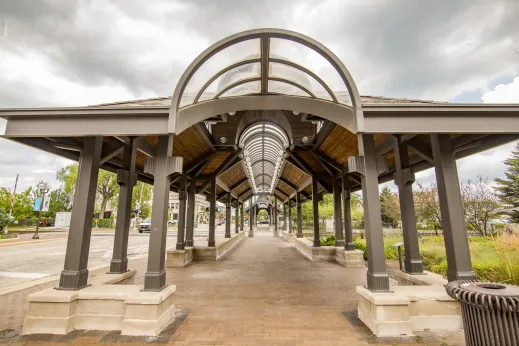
[{"x": 30, "y": 242}]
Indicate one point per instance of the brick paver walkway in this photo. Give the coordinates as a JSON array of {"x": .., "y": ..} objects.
[{"x": 264, "y": 293}]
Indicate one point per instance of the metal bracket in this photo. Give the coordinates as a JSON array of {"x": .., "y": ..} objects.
[
  {"x": 382, "y": 166},
  {"x": 356, "y": 165},
  {"x": 174, "y": 165},
  {"x": 406, "y": 176},
  {"x": 123, "y": 178}
]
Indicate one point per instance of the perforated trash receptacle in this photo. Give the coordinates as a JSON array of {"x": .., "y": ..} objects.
[{"x": 490, "y": 312}]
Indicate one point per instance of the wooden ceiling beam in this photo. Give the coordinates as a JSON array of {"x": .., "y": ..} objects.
[
  {"x": 206, "y": 135},
  {"x": 322, "y": 134}
]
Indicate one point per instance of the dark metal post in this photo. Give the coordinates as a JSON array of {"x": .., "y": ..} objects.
[
  {"x": 126, "y": 178},
  {"x": 337, "y": 213},
  {"x": 75, "y": 273},
  {"x": 182, "y": 200},
  {"x": 228, "y": 216},
  {"x": 212, "y": 212},
  {"x": 315, "y": 212},
  {"x": 346, "y": 197},
  {"x": 236, "y": 216},
  {"x": 289, "y": 217},
  {"x": 250, "y": 218},
  {"x": 275, "y": 213},
  {"x": 190, "y": 230},
  {"x": 155, "y": 277},
  {"x": 456, "y": 241},
  {"x": 284, "y": 217},
  {"x": 404, "y": 179},
  {"x": 241, "y": 215},
  {"x": 299, "y": 216},
  {"x": 377, "y": 277}
]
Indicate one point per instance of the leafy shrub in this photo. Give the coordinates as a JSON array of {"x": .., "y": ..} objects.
[
  {"x": 104, "y": 223},
  {"x": 328, "y": 240},
  {"x": 4, "y": 219}
]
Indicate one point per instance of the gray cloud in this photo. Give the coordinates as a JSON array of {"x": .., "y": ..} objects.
[{"x": 84, "y": 52}]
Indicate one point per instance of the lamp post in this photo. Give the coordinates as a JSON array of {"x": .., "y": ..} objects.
[{"x": 43, "y": 188}]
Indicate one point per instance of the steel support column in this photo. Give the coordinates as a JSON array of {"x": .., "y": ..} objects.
[
  {"x": 289, "y": 217},
  {"x": 126, "y": 178},
  {"x": 155, "y": 277},
  {"x": 315, "y": 212},
  {"x": 241, "y": 215},
  {"x": 275, "y": 213},
  {"x": 191, "y": 207},
  {"x": 299, "y": 216},
  {"x": 404, "y": 179},
  {"x": 212, "y": 212},
  {"x": 75, "y": 273},
  {"x": 236, "y": 217},
  {"x": 284, "y": 217},
  {"x": 228, "y": 216},
  {"x": 182, "y": 200},
  {"x": 250, "y": 217},
  {"x": 377, "y": 277},
  {"x": 456, "y": 241},
  {"x": 337, "y": 213},
  {"x": 346, "y": 197}
]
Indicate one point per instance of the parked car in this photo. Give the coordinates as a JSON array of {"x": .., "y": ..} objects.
[
  {"x": 263, "y": 222},
  {"x": 172, "y": 222},
  {"x": 219, "y": 222},
  {"x": 145, "y": 225}
]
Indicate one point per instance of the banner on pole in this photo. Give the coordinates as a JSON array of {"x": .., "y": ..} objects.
[{"x": 37, "y": 204}]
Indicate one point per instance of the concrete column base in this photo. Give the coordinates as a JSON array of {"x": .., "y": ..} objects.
[
  {"x": 251, "y": 234},
  {"x": 179, "y": 258},
  {"x": 321, "y": 253},
  {"x": 219, "y": 251},
  {"x": 349, "y": 259},
  {"x": 276, "y": 233},
  {"x": 290, "y": 237},
  {"x": 122, "y": 308},
  {"x": 408, "y": 309}
]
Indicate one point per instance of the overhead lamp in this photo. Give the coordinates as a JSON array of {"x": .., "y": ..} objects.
[
  {"x": 304, "y": 139},
  {"x": 232, "y": 113},
  {"x": 223, "y": 140},
  {"x": 296, "y": 112}
]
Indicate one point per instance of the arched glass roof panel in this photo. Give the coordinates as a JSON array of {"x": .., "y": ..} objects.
[
  {"x": 264, "y": 146},
  {"x": 313, "y": 61},
  {"x": 246, "y": 88},
  {"x": 318, "y": 87},
  {"x": 240, "y": 51},
  {"x": 247, "y": 70},
  {"x": 277, "y": 87}
]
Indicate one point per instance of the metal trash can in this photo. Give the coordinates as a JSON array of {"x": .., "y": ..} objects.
[{"x": 490, "y": 312}]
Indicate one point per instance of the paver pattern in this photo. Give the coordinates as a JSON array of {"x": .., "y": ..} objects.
[{"x": 264, "y": 293}]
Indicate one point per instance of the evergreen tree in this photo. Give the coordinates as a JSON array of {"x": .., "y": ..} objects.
[{"x": 508, "y": 188}]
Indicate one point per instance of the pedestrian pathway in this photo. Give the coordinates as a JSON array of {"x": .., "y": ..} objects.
[{"x": 264, "y": 293}]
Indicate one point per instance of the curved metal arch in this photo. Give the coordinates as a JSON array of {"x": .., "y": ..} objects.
[
  {"x": 308, "y": 72},
  {"x": 263, "y": 34},
  {"x": 297, "y": 85},
  {"x": 221, "y": 72},
  {"x": 235, "y": 84},
  {"x": 262, "y": 133}
]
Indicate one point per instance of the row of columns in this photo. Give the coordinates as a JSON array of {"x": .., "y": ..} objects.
[
  {"x": 366, "y": 165},
  {"x": 75, "y": 273}
]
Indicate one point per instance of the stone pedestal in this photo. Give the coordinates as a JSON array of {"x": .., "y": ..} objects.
[
  {"x": 220, "y": 250},
  {"x": 290, "y": 237},
  {"x": 350, "y": 258},
  {"x": 251, "y": 234},
  {"x": 179, "y": 258},
  {"x": 122, "y": 308},
  {"x": 408, "y": 309}
]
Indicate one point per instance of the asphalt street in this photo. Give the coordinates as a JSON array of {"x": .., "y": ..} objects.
[{"x": 20, "y": 263}]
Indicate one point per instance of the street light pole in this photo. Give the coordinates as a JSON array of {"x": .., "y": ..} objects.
[{"x": 43, "y": 188}]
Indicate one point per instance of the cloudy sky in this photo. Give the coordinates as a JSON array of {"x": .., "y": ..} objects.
[{"x": 75, "y": 53}]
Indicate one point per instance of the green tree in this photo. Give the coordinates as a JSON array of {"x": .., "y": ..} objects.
[
  {"x": 5, "y": 198},
  {"x": 479, "y": 204},
  {"x": 326, "y": 207},
  {"x": 4, "y": 219},
  {"x": 23, "y": 204},
  {"x": 68, "y": 176},
  {"x": 427, "y": 205},
  {"x": 59, "y": 201},
  {"x": 142, "y": 193},
  {"x": 508, "y": 188},
  {"x": 390, "y": 207},
  {"x": 107, "y": 190}
]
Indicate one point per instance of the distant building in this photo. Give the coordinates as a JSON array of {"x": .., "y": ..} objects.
[{"x": 201, "y": 207}]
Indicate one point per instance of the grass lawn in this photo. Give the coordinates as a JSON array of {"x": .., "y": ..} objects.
[{"x": 494, "y": 259}]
